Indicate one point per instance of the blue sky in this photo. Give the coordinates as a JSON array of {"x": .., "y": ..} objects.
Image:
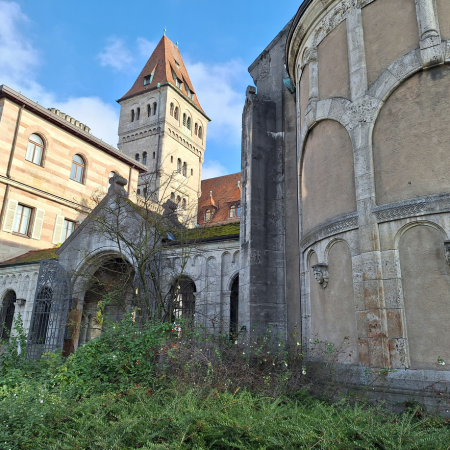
[{"x": 82, "y": 56}]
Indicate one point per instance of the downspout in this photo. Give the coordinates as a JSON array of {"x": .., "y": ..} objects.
[{"x": 8, "y": 170}]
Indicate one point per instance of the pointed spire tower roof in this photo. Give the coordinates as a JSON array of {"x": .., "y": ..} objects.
[{"x": 163, "y": 66}]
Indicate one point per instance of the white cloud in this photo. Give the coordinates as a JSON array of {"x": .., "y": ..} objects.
[
  {"x": 116, "y": 55},
  {"x": 19, "y": 61},
  {"x": 219, "y": 92},
  {"x": 213, "y": 169}
]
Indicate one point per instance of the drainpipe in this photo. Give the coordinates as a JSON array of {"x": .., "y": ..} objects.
[{"x": 8, "y": 170}]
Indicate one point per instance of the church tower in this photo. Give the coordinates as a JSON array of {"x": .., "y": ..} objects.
[{"x": 163, "y": 126}]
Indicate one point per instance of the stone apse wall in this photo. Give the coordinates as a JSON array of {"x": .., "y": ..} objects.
[{"x": 373, "y": 92}]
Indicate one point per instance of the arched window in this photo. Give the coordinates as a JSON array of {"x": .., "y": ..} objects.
[
  {"x": 149, "y": 110},
  {"x": 178, "y": 200},
  {"x": 41, "y": 316},
  {"x": 172, "y": 196},
  {"x": 196, "y": 129},
  {"x": 207, "y": 215},
  {"x": 35, "y": 149},
  {"x": 132, "y": 115},
  {"x": 138, "y": 192},
  {"x": 138, "y": 113},
  {"x": 154, "y": 155},
  {"x": 200, "y": 132},
  {"x": 144, "y": 158},
  {"x": 111, "y": 174},
  {"x": 184, "y": 169},
  {"x": 234, "y": 308},
  {"x": 179, "y": 165},
  {"x": 238, "y": 210},
  {"x": 171, "y": 109},
  {"x": 77, "y": 172},
  {"x": 145, "y": 192},
  {"x": 7, "y": 314},
  {"x": 154, "y": 109},
  {"x": 183, "y": 203},
  {"x": 137, "y": 157},
  {"x": 233, "y": 211},
  {"x": 188, "y": 123},
  {"x": 175, "y": 114},
  {"x": 192, "y": 172},
  {"x": 184, "y": 119},
  {"x": 171, "y": 159},
  {"x": 183, "y": 297}
]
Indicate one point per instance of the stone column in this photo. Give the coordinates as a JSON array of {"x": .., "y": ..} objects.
[
  {"x": 356, "y": 54},
  {"x": 431, "y": 49}
]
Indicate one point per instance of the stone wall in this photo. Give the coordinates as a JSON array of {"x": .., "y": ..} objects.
[{"x": 394, "y": 114}]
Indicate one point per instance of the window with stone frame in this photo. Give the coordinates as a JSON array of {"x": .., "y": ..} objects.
[
  {"x": 22, "y": 220},
  {"x": 35, "y": 150},
  {"x": 232, "y": 211},
  {"x": 68, "y": 229},
  {"x": 77, "y": 172}
]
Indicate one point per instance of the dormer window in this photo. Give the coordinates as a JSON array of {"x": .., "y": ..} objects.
[
  {"x": 208, "y": 215},
  {"x": 149, "y": 78},
  {"x": 177, "y": 63},
  {"x": 190, "y": 93},
  {"x": 178, "y": 82}
]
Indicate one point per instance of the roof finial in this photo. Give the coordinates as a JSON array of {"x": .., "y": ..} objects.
[
  {"x": 165, "y": 31},
  {"x": 210, "y": 193},
  {"x": 239, "y": 184},
  {"x": 177, "y": 44}
]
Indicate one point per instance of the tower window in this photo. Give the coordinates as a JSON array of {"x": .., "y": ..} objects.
[
  {"x": 171, "y": 159},
  {"x": 171, "y": 109},
  {"x": 179, "y": 165},
  {"x": 138, "y": 192},
  {"x": 183, "y": 204},
  {"x": 178, "y": 200},
  {"x": 200, "y": 132},
  {"x": 196, "y": 129},
  {"x": 192, "y": 172},
  {"x": 154, "y": 155},
  {"x": 154, "y": 109},
  {"x": 175, "y": 114},
  {"x": 149, "y": 110},
  {"x": 172, "y": 196},
  {"x": 138, "y": 113},
  {"x": 132, "y": 115},
  {"x": 144, "y": 158},
  {"x": 184, "y": 169},
  {"x": 137, "y": 157},
  {"x": 188, "y": 124}
]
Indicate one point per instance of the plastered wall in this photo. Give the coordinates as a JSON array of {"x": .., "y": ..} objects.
[
  {"x": 390, "y": 31},
  {"x": 334, "y": 79},
  {"x": 443, "y": 9},
  {"x": 426, "y": 286},
  {"x": 327, "y": 181},
  {"x": 411, "y": 139}
]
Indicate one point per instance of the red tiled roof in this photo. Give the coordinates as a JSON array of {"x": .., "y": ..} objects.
[
  {"x": 32, "y": 256},
  {"x": 164, "y": 62},
  {"x": 225, "y": 192}
]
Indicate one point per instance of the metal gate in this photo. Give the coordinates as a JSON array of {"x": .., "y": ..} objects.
[{"x": 50, "y": 310}]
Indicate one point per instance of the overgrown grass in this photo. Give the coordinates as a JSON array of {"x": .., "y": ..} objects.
[{"x": 146, "y": 389}]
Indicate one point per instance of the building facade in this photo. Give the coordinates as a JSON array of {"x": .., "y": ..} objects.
[{"x": 51, "y": 167}]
